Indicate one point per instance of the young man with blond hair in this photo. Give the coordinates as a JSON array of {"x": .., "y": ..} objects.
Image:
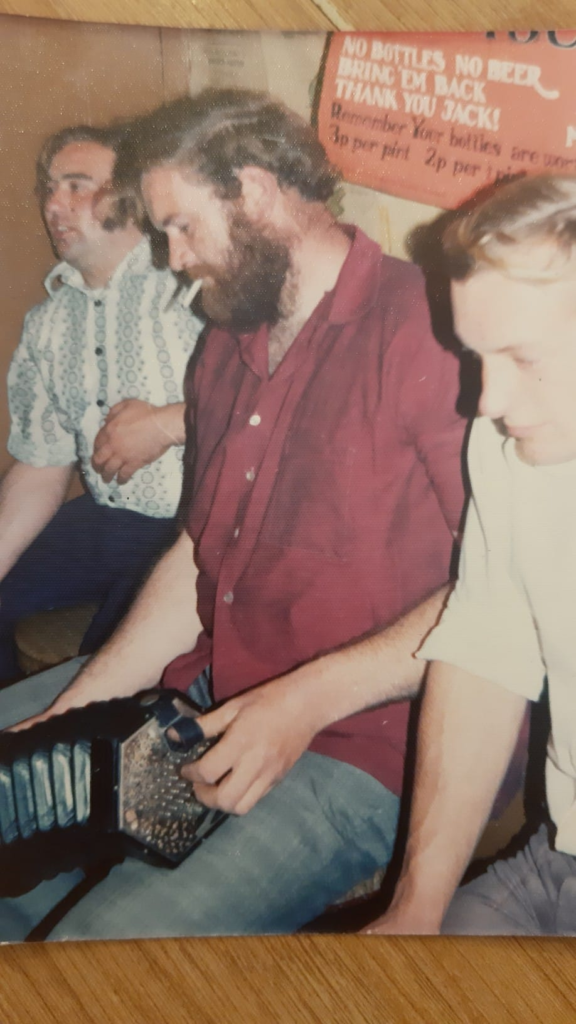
[{"x": 509, "y": 624}]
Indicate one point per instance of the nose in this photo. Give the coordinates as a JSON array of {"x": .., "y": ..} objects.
[
  {"x": 497, "y": 387},
  {"x": 54, "y": 202},
  {"x": 179, "y": 252}
]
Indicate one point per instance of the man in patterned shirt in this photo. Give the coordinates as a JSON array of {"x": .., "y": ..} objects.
[{"x": 96, "y": 380}]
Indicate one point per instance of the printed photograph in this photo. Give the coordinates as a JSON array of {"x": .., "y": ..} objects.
[{"x": 288, "y": 482}]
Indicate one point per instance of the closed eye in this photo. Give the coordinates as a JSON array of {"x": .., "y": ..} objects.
[{"x": 526, "y": 360}]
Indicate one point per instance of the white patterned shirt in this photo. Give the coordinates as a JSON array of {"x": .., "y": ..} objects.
[{"x": 83, "y": 350}]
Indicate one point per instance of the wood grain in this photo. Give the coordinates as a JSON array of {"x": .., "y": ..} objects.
[
  {"x": 419, "y": 15},
  {"x": 314, "y": 979}
]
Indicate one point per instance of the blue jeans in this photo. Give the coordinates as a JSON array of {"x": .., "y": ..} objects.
[
  {"x": 323, "y": 829},
  {"x": 87, "y": 553}
]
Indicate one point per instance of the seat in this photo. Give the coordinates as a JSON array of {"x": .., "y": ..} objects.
[{"x": 48, "y": 638}]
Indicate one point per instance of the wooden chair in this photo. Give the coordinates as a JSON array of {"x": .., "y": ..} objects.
[{"x": 48, "y": 638}]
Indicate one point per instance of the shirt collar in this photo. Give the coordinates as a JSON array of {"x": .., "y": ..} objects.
[
  {"x": 358, "y": 285},
  {"x": 355, "y": 292},
  {"x": 138, "y": 260}
]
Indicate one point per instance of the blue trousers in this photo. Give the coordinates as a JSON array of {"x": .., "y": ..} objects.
[
  {"x": 87, "y": 553},
  {"x": 323, "y": 829}
]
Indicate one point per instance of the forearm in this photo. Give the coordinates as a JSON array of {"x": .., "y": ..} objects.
[
  {"x": 375, "y": 670},
  {"x": 170, "y": 420},
  {"x": 29, "y": 498},
  {"x": 161, "y": 624},
  {"x": 135, "y": 434},
  {"x": 467, "y": 732}
]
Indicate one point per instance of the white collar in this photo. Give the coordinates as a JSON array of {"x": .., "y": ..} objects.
[{"x": 138, "y": 260}]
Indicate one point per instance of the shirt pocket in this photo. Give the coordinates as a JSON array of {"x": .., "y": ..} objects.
[{"x": 310, "y": 503}]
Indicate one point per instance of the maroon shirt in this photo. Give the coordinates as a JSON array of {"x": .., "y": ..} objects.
[{"x": 323, "y": 498}]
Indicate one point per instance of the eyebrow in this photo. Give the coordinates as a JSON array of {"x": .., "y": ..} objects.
[{"x": 73, "y": 175}]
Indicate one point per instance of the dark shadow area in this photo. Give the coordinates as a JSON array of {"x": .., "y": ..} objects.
[{"x": 424, "y": 245}]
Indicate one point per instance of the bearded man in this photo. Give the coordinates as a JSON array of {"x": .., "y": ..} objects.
[{"x": 324, "y": 484}]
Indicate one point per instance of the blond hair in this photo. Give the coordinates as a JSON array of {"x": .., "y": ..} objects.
[{"x": 526, "y": 212}]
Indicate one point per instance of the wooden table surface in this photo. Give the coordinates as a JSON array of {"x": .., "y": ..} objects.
[{"x": 324, "y": 979}]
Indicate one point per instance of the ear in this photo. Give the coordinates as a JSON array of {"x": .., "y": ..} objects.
[{"x": 260, "y": 190}]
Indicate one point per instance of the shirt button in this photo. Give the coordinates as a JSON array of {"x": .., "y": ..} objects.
[
  {"x": 99, "y": 351},
  {"x": 98, "y": 302},
  {"x": 255, "y": 420},
  {"x": 250, "y": 475},
  {"x": 100, "y": 402},
  {"x": 228, "y": 598},
  {"x": 111, "y": 499},
  {"x": 237, "y": 531}
]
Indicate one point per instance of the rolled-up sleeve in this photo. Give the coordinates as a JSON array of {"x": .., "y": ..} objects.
[
  {"x": 37, "y": 436},
  {"x": 487, "y": 627}
]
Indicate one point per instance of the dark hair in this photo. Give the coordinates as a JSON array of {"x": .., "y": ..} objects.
[
  {"x": 121, "y": 209},
  {"x": 108, "y": 137},
  {"x": 219, "y": 131},
  {"x": 541, "y": 208}
]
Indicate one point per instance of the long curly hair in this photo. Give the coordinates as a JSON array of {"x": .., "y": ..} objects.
[{"x": 219, "y": 131}]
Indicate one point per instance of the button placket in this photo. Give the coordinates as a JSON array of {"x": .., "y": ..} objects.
[
  {"x": 244, "y": 446},
  {"x": 102, "y": 369}
]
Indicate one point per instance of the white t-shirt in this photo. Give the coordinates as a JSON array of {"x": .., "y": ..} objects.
[{"x": 512, "y": 615}]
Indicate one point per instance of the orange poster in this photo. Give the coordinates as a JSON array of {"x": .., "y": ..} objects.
[{"x": 434, "y": 117}]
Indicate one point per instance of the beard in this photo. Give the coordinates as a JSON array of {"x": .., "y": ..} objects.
[{"x": 248, "y": 291}]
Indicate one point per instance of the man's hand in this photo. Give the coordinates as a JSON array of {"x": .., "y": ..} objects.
[
  {"x": 27, "y": 723},
  {"x": 264, "y": 732},
  {"x": 133, "y": 436},
  {"x": 400, "y": 921},
  {"x": 64, "y": 702}
]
